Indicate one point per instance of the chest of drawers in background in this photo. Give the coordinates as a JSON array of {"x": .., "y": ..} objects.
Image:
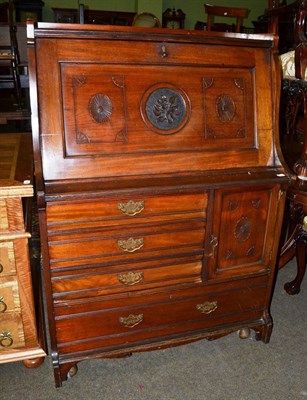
[
  {"x": 159, "y": 185},
  {"x": 19, "y": 333}
]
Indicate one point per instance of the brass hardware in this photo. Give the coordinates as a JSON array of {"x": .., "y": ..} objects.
[
  {"x": 280, "y": 194},
  {"x": 213, "y": 243},
  {"x": 3, "y": 306},
  {"x": 164, "y": 52},
  {"x": 6, "y": 339},
  {"x": 207, "y": 307},
  {"x": 131, "y": 208},
  {"x": 1, "y": 268},
  {"x": 131, "y": 244},
  {"x": 305, "y": 223},
  {"x": 131, "y": 321},
  {"x": 130, "y": 278}
]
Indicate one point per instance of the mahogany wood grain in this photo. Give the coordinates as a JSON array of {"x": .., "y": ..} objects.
[{"x": 160, "y": 186}]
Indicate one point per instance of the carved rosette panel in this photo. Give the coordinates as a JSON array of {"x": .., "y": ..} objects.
[
  {"x": 243, "y": 225},
  {"x": 225, "y": 107},
  {"x": 165, "y": 108},
  {"x": 94, "y": 108}
]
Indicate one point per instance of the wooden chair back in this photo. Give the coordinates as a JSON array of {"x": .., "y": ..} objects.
[{"x": 221, "y": 11}]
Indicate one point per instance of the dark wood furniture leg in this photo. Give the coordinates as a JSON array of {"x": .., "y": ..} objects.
[{"x": 294, "y": 286}]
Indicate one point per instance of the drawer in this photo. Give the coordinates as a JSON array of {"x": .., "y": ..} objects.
[
  {"x": 11, "y": 331},
  {"x": 11, "y": 215},
  {"x": 7, "y": 258},
  {"x": 9, "y": 295},
  {"x": 120, "y": 279},
  {"x": 124, "y": 245},
  {"x": 132, "y": 209},
  {"x": 117, "y": 322}
]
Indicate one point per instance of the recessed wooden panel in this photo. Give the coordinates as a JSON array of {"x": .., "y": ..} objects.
[
  {"x": 241, "y": 233},
  {"x": 109, "y": 110}
]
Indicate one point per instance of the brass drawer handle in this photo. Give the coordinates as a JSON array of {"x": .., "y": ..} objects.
[
  {"x": 131, "y": 244},
  {"x": 131, "y": 321},
  {"x": 130, "y": 278},
  {"x": 131, "y": 207},
  {"x": 3, "y": 306},
  {"x": 6, "y": 339},
  {"x": 207, "y": 307},
  {"x": 1, "y": 268}
]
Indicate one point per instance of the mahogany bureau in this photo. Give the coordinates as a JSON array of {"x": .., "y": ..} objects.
[
  {"x": 20, "y": 336},
  {"x": 159, "y": 184}
]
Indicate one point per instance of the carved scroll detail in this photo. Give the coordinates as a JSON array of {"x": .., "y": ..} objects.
[
  {"x": 78, "y": 81},
  {"x": 239, "y": 83},
  {"x": 83, "y": 138},
  {"x": 207, "y": 82}
]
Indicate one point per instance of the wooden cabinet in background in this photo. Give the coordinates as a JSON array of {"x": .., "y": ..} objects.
[
  {"x": 160, "y": 188},
  {"x": 20, "y": 335},
  {"x": 101, "y": 17}
]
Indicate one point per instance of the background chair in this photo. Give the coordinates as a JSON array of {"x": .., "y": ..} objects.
[
  {"x": 220, "y": 11},
  {"x": 9, "y": 56},
  {"x": 293, "y": 139}
]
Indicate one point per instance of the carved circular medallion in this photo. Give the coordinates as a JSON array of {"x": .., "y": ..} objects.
[
  {"x": 165, "y": 108},
  {"x": 243, "y": 229},
  {"x": 100, "y": 108},
  {"x": 225, "y": 107}
]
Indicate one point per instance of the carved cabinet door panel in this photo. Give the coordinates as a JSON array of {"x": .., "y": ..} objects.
[{"x": 243, "y": 231}]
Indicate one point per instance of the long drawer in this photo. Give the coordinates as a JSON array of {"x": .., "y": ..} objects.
[
  {"x": 124, "y": 210},
  {"x": 110, "y": 323},
  {"x": 119, "y": 278},
  {"x": 126, "y": 245}
]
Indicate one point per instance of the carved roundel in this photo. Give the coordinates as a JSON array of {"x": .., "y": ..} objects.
[
  {"x": 100, "y": 108},
  {"x": 243, "y": 229},
  {"x": 165, "y": 108},
  {"x": 225, "y": 107}
]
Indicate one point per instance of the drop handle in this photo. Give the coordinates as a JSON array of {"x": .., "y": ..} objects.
[
  {"x": 164, "y": 52},
  {"x": 213, "y": 245},
  {"x": 3, "y": 305}
]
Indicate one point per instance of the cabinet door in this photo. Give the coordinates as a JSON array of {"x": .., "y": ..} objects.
[{"x": 243, "y": 231}]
